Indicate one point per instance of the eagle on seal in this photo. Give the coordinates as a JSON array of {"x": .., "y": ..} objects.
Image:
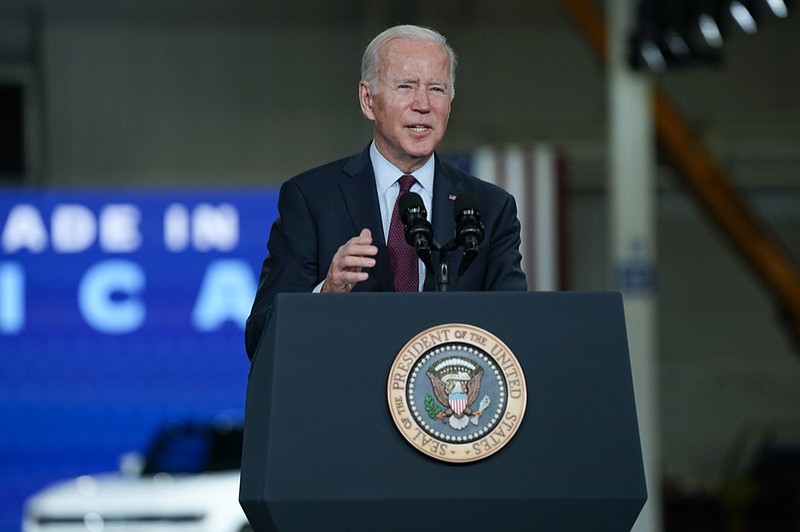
[{"x": 456, "y": 395}]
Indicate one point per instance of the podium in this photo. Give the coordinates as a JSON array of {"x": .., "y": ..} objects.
[{"x": 322, "y": 452}]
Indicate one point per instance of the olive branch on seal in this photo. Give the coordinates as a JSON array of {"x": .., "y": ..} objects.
[{"x": 431, "y": 407}]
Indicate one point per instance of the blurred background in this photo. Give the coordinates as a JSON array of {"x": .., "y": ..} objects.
[{"x": 143, "y": 143}]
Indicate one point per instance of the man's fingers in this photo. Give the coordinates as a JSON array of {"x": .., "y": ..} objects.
[
  {"x": 360, "y": 246},
  {"x": 348, "y": 262},
  {"x": 351, "y": 262},
  {"x": 366, "y": 234},
  {"x": 352, "y": 277}
]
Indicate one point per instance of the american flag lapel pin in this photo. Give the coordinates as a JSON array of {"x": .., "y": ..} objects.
[{"x": 451, "y": 197}]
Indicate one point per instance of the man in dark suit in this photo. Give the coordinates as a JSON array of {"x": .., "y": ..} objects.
[{"x": 334, "y": 221}]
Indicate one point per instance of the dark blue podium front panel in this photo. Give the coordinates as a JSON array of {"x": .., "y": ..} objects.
[{"x": 322, "y": 452}]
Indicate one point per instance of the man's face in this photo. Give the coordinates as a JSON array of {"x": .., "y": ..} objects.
[{"x": 411, "y": 105}]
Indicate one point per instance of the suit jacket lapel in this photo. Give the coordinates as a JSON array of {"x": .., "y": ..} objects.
[{"x": 361, "y": 201}]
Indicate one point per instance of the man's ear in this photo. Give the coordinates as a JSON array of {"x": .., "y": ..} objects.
[{"x": 365, "y": 99}]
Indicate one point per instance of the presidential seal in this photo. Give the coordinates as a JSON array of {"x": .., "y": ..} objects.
[{"x": 456, "y": 393}]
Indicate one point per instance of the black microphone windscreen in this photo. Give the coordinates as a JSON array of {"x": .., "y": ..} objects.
[
  {"x": 465, "y": 201},
  {"x": 410, "y": 200}
]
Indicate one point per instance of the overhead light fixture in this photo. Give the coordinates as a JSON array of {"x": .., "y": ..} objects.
[
  {"x": 779, "y": 8},
  {"x": 677, "y": 45},
  {"x": 669, "y": 34},
  {"x": 653, "y": 57},
  {"x": 744, "y": 17},
  {"x": 710, "y": 31}
]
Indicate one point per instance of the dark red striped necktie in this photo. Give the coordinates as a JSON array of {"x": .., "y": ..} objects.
[{"x": 402, "y": 256}]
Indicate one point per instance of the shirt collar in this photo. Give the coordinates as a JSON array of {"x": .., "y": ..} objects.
[{"x": 386, "y": 174}]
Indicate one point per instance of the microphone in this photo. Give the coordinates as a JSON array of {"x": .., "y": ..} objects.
[
  {"x": 469, "y": 228},
  {"x": 418, "y": 230}
]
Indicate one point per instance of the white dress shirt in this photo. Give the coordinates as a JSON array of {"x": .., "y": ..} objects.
[{"x": 386, "y": 182}]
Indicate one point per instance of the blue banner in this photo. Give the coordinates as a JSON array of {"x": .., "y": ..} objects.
[{"x": 120, "y": 310}]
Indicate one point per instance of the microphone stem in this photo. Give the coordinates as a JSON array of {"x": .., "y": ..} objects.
[{"x": 442, "y": 275}]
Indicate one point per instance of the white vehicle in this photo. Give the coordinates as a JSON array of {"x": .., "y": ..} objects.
[{"x": 189, "y": 481}]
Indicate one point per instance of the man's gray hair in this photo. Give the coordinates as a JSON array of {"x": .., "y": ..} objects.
[{"x": 371, "y": 60}]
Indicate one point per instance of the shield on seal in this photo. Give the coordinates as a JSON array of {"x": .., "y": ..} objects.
[{"x": 458, "y": 402}]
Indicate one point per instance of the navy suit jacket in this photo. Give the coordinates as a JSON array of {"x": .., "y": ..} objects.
[{"x": 321, "y": 209}]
